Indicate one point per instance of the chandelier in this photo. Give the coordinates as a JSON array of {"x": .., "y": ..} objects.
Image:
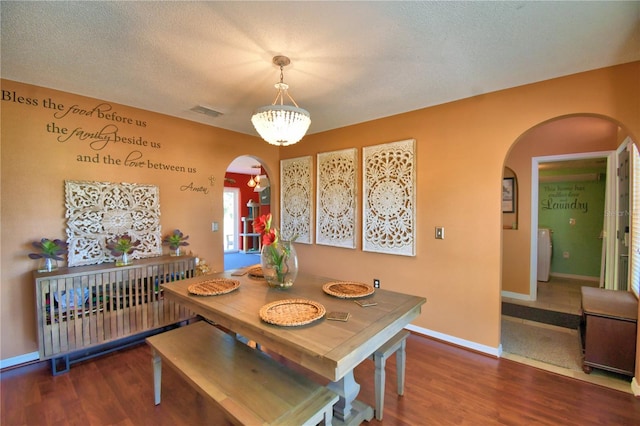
[
  {"x": 277, "y": 123},
  {"x": 255, "y": 181}
]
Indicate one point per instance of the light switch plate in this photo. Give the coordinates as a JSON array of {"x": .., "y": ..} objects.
[
  {"x": 214, "y": 226},
  {"x": 439, "y": 232}
]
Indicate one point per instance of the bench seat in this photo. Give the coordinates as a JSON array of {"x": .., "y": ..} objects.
[{"x": 249, "y": 386}]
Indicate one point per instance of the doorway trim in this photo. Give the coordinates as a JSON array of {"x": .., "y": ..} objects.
[{"x": 535, "y": 162}]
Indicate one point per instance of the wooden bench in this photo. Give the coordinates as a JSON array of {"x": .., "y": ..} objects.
[{"x": 249, "y": 386}]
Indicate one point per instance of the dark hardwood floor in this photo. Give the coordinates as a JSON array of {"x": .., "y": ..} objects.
[{"x": 445, "y": 385}]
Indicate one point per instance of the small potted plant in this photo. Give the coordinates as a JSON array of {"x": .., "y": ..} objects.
[
  {"x": 50, "y": 251},
  {"x": 121, "y": 247},
  {"x": 176, "y": 240}
]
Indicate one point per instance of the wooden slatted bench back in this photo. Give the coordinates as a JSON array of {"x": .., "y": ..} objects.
[{"x": 249, "y": 386}]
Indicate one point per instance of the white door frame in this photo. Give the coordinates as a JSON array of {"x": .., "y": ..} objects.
[{"x": 609, "y": 224}]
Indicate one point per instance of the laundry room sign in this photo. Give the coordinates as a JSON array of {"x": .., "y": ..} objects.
[{"x": 563, "y": 196}]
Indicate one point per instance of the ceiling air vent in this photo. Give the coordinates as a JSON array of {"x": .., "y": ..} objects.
[{"x": 206, "y": 111}]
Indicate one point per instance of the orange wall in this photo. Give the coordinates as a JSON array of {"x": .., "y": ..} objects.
[
  {"x": 35, "y": 165},
  {"x": 460, "y": 156}
]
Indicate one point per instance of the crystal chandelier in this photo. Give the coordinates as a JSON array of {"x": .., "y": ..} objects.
[{"x": 277, "y": 123}]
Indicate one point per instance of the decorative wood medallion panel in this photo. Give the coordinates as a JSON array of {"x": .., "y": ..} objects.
[
  {"x": 295, "y": 199},
  {"x": 98, "y": 211},
  {"x": 389, "y": 198},
  {"x": 336, "y": 198}
]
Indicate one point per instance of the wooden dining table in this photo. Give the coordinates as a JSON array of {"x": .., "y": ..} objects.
[{"x": 329, "y": 348}]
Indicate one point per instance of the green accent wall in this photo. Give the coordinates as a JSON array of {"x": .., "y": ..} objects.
[{"x": 560, "y": 203}]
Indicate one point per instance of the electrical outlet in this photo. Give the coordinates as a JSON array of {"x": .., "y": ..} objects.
[
  {"x": 566, "y": 255},
  {"x": 376, "y": 283},
  {"x": 439, "y": 232}
]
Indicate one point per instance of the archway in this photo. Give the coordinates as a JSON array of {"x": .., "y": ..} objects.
[
  {"x": 578, "y": 135},
  {"x": 562, "y": 138},
  {"x": 247, "y": 194}
]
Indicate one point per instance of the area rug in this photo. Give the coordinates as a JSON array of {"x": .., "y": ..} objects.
[
  {"x": 559, "y": 347},
  {"x": 560, "y": 319}
]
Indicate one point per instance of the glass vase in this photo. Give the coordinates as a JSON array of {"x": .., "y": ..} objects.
[
  {"x": 47, "y": 265},
  {"x": 176, "y": 251},
  {"x": 124, "y": 260},
  {"x": 279, "y": 263}
]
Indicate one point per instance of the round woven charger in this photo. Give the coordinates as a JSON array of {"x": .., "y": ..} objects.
[
  {"x": 214, "y": 287},
  {"x": 347, "y": 289},
  {"x": 292, "y": 312},
  {"x": 256, "y": 272}
]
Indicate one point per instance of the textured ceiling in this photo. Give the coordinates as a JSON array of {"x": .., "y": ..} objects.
[{"x": 351, "y": 61}]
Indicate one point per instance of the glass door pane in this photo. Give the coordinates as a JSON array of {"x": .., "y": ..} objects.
[{"x": 231, "y": 199}]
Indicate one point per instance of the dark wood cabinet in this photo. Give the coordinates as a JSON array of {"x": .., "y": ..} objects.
[{"x": 608, "y": 330}]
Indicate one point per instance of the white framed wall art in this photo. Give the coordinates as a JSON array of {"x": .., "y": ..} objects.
[
  {"x": 296, "y": 201},
  {"x": 336, "y": 200},
  {"x": 388, "y": 198},
  {"x": 99, "y": 211}
]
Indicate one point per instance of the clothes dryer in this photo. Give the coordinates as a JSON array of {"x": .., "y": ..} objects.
[{"x": 545, "y": 248}]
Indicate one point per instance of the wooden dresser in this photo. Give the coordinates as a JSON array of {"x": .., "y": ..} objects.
[
  {"x": 608, "y": 330},
  {"x": 90, "y": 309}
]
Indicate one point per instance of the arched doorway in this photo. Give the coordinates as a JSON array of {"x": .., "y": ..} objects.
[
  {"x": 247, "y": 194},
  {"x": 587, "y": 138},
  {"x": 569, "y": 136}
]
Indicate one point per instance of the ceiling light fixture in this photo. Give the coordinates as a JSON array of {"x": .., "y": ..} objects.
[
  {"x": 255, "y": 181},
  {"x": 277, "y": 123}
]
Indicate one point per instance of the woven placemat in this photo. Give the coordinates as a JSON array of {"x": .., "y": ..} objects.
[
  {"x": 213, "y": 287},
  {"x": 256, "y": 272},
  {"x": 292, "y": 312},
  {"x": 347, "y": 289}
]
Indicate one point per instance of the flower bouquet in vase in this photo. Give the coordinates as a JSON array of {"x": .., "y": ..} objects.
[
  {"x": 278, "y": 257},
  {"x": 121, "y": 247},
  {"x": 50, "y": 251},
  {"x": 176, "y": 240}
]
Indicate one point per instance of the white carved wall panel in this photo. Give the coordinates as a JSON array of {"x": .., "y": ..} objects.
[
  {"x": 389, "y": 198},
  {"x": 296, "y": 199},
  {"x": 336, "y": 198},
  {"x": 98, "y": 211}
]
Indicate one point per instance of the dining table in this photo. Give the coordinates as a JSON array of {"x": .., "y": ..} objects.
[{"x": 329, "y": 348}]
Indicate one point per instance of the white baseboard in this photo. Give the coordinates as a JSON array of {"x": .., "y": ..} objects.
[
  {"x": 635, "y": 387},
  {"x": 518, "y": 296},
  {"x": 20, "y": 359},
  {"x": 496, "y": 352}
]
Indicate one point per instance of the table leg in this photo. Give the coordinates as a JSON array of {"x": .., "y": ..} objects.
[
  {"x": 157, "y": 375},
  {"x": 349, "y": 411}
]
